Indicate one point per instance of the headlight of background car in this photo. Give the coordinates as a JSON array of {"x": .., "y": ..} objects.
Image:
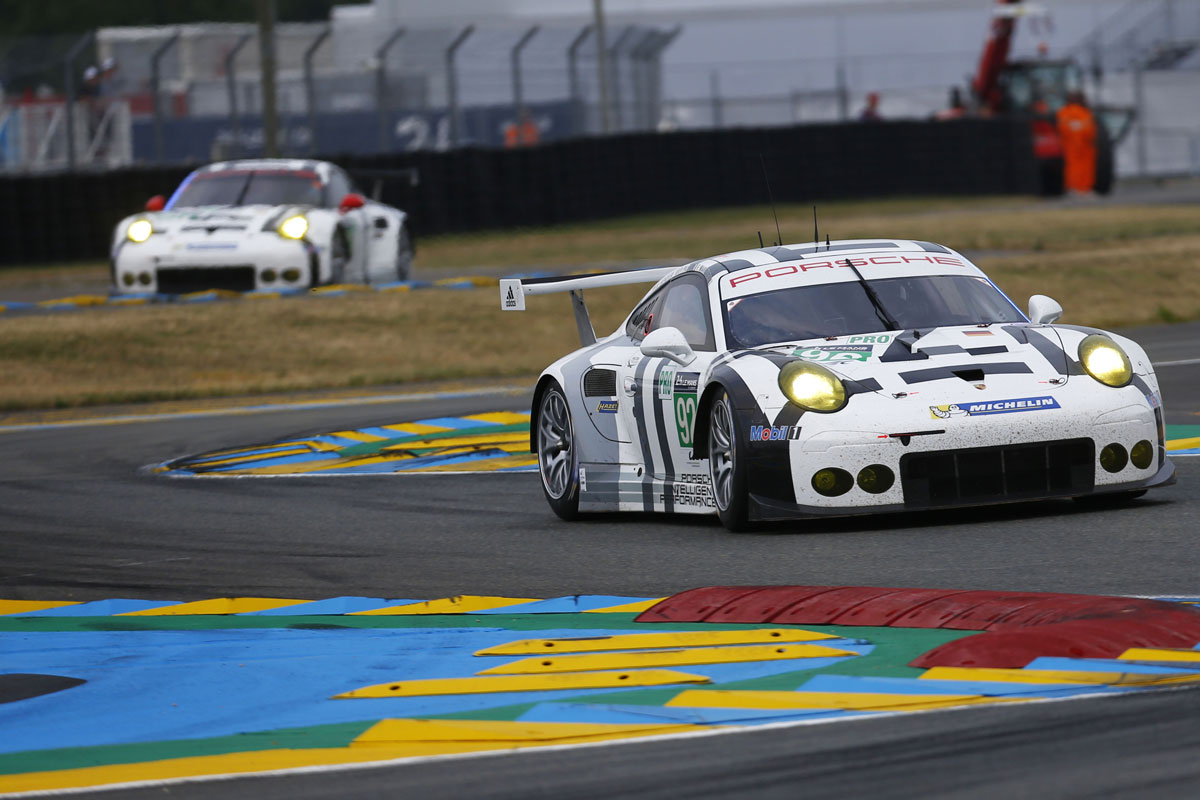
[
  {"x": 1105, "y": 361},
  {"x": 812, "y": 387},
  {"x": 294, "y": 227},
  {"x": 139, "y": 230}
]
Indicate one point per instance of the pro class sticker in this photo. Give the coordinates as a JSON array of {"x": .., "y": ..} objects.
[{"x": 983, "y": 409}]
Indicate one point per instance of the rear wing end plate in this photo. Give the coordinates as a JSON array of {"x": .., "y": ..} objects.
[{"x": 513, "y": 291}]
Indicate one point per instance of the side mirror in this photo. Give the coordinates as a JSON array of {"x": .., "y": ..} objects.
[
  {"x": 668, "y": 343},
  {"x": 1044, "y": 310},
  {"x": 156, "y": 203},
  {"x": 352, "y": 201}
]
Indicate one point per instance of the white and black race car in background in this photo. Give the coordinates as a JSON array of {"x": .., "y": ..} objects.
[
  {"x": 260, "y": 224},
  {"x": 840, "y": 378}
]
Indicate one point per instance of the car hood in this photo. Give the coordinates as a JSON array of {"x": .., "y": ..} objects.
[
  {"x": 223, "y": 219},
  {"x": 1002, "y": 357}
]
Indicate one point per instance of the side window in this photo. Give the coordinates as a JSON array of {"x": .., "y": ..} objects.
[
  {"x": 686, "y": 308},
  {"x": 337, "y": 188},
  {"x": 644, "y": 318}
]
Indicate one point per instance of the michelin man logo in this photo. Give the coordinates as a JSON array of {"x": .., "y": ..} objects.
[{"x": 945, "y": 412}]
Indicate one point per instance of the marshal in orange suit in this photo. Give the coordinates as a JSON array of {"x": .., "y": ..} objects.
[{"x": 1077, "y": 127}]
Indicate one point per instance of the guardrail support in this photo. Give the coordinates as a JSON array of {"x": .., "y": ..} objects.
[
  {"x": 231, "y": 87},
  {"x": 381, "y": 106},
  {"x": 515, "y": 57},
  {"x": 310, "y": 89},
  {"x": 452, "y": 82},
  {"x": 155, "y": 100}
]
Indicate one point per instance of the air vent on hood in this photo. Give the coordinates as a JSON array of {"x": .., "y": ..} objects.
[
  {"x": 970, "y": 375},
  {"x": 600, "y": 383}
]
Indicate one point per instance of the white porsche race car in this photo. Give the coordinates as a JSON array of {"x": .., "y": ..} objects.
[
  {"x": 264, "y": 224},
  {"x": 840, "y": 378}
]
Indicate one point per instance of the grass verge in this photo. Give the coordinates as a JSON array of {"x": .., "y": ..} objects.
[{"x": 1109, "y": 266}]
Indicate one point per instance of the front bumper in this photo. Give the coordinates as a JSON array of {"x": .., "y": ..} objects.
[
  {"x": 259, "y": 262},
  {"x": 961, "y": 460}
]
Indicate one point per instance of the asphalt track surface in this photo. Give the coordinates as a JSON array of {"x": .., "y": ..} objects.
[{"x": 82, "y": 521}]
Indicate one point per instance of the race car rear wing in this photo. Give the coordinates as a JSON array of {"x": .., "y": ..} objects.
[{"x": 513, "y": 291}]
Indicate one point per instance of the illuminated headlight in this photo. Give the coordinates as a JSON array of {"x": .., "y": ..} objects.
[
  {"x": 294, "y": 227},
  {"x": 139, "y": 230},
  {"x": 1105, "y": 361},
  {"x": 812, "y": 387}
]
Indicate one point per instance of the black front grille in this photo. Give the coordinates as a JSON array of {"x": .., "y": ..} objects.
[
  {"x": 181, "y": 280},
  {"x": 990, "y": 474}
]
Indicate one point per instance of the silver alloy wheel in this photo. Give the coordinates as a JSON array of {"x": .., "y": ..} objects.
[
  {"x": 720, "y": 452},
  {"x": 556, "y": 454}
]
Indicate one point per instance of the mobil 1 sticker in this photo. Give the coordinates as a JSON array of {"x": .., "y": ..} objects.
[{"x": 835, "y": 352}]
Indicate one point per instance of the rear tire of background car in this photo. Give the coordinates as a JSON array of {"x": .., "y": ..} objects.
[
  {"x": 727, "y": 464},
  {"x": 339, "y": 256},
  {"x": 558, "y": 457},
  {"x": 404, "y": 255}
]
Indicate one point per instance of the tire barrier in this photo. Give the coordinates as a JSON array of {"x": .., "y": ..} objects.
[
  {"x": 129, "y": 692},
  {"x": 70, "y": 216}
]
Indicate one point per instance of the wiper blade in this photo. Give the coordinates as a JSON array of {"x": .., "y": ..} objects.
[{"x": 880, "y": 311}]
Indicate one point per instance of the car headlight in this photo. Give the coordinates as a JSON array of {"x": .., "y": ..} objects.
[
  {"x": 294, "y": 227},
  {"x": 1105, "y": 361},
  {"x": 139, "y": 230},
  {"x": 812, "y": 387}
]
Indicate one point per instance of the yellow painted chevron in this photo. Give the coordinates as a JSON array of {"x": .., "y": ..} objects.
[
  {"x": 26, "y": 606},
  {"x": 627, "y": 608},
  {"x": 462, "y": 604},
  {"x": 524, "y": 683},
  {"x": 639, "y": 641},
  {"x": 219, "y": 605},
  {"x": 1157, "y": 654},
  {"x": 1132, "y": 678},
  {"x": 503, "y": 733},
  {"x": 848, "y": 701},
  {"x": 692, "y": 656}
]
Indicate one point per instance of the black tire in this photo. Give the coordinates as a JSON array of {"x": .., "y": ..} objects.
[
  {"x": 404, "y": 255},
  {"x": 1109, "y": 499},
  {"x": 339, "y": 257},
  {"x": 558, "y": 458},
  {"x": 727, "y": 464}
]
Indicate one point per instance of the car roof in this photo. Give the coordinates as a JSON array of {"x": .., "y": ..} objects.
[{"x": 321, "y": 168}]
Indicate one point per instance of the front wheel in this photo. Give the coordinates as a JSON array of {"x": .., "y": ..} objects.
[
  {"x": 558, "y": 460},
  {"x": 727, "y": 465}
]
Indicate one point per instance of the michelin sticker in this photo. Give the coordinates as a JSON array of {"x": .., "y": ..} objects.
[
  {"x": 993, "y": 407},
  {"x": 835, "y": 352}
]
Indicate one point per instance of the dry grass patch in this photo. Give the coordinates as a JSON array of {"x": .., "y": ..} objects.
[{"x": 175, "y": 352}]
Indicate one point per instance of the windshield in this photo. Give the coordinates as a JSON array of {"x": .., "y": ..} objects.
[
  {"x": 250, "y": 188},
  {"x": 842, "y": 309}
]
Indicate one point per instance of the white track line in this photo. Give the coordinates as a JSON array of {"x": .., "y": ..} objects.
[{"x": 1182, "y": 363}]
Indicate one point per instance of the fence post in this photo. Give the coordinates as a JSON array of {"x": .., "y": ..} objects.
[
  {"x": 515, "y": 58},
  {"x": 266, "y": 71},
  {"x": 714, "y": 88},
  {"x": 231, "y": 87},
  {"x": 638, "y": 56},
  {"x": 381, "y": 106},
  {"x": 452, "y": 82},
  {"x": 310, "y": 90},
  {"x": 155, "y": 100},
  {"x": 69, "y": 91},
  {"x": 602, "y": 66},
  {"x": 577, "y": 117},
  {"x": 1139, "y": 107},
  {"x": 614, "y": 59},
  {"x": 654, "y": 67}
]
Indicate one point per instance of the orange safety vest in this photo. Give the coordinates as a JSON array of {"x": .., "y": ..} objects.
[
  {"x": 523, "y": 134},
  {"x": 1077, "y": 127}
]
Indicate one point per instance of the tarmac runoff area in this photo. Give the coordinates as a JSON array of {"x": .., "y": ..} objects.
[{"x": 137, "y": 692}]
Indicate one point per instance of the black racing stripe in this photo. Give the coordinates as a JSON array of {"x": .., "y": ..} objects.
[
  {"x": 793, "y": 253},
  {"x": 1141, "y": 384},
  {"x": 941, "y": 373},
  {"x": 1018, "y": 332},
  {"x": 942, "y": 350},
  {"x": 987, "y": 351},
  {"x": 861, "y": 386},
  {"x": 734, "y": 264},
  {"x": 639, "y": 417},
  {"x": 1052, "y": 351},
  {"x": 901, "y": 349},
  {"x": 930, "y": 247},
  {"x": 788, "y": 415},
  {"x": 663, "y": 444}
]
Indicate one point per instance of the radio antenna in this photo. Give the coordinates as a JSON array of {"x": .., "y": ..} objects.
[
  {"x": 760, "y": 242},
  {"x": 826, "y": 240},
  {"x": 770, "y": 197},
  {"x": 816, "y": 236}
]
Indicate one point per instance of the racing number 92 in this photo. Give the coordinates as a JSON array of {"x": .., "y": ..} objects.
[{"x": 685, "y": 417}]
